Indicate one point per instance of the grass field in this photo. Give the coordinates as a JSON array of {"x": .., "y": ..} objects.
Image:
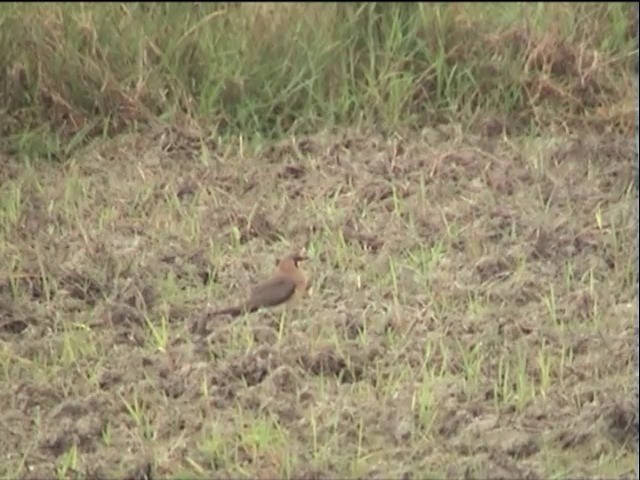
[{"x": 460, "y": 175}]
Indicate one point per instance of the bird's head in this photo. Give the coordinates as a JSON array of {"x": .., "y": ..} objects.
[{"x": 292, "y": 259}]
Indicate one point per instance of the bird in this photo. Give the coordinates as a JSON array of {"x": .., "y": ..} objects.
[{"x": 286, "y": 286}]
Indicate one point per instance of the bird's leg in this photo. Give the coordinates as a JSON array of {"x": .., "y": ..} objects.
[{"x": 281, "y": 324}]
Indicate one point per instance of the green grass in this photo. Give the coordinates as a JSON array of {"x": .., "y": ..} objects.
[
  {"x": 81, "y": 71},
  {"x": 402, "y": 359},
  {"x": 471, "y": 291}
]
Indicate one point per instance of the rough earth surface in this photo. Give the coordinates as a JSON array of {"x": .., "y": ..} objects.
[{"x": 470, "y": 314}]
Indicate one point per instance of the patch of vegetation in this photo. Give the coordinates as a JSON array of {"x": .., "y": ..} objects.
[
  {"x": 470, "y": 310},
  {"x": 459, "y": 174},
  {"x": 80, "y": 71}
]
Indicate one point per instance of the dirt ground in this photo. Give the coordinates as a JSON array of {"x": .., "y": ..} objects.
[{"x": 470, "y": 314}]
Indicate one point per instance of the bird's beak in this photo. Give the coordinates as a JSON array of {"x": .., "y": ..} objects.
[{"x": 302, "y": 255}]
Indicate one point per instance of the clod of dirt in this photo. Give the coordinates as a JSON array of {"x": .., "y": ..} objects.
[
  {"x": 492, "y": 268},
  {"x": 456, "y": 166},
  {"x": 143, "y": 471},
  {"x": 353, "y": 327},
  {"x": 500, "y": 182},
  {"x": 139, "y": 297},
  {"x": 306, "y": 396},
  {"x": 512, "y": 442},
  {"x": 173, "y": 386},
  {"x": 188, "y": 188},
  {"x": 491, "y": 127},
  {"x": 201, "y": 325},
  {"x": 280, "y": 150},
  {"x": 517, "y": 444},
  {"x": 252, "y": 368},
  {"x": 277, "y": 395},
  {"x": 376, "y": 192},
  {"x": 78, "y": 422},
  {"x": 292, "y": 171},
  {"x": 313, "y": 475},
  {"x": 13, "y": 326},
  {"x": 82, "y": 286},
  {"x": 369, "y": 243},
  {"x": 616, "y": 420},
  {"x": 38, "y": 472},
  {"x": 265, "y": 335},
  {"x": 403, "y": 431},
  {"x": 284, "y": 379},
  {"x": 108, "y": 378},
  {"x": 258, "y": 226},
  {"x": 493, "y": 465},
  {"x": 581, "y": 304},
  {"x": 190, "y": 266},
  {"x": 453, "y": 422},
  {"x": 482, "y": 425},
  {"x": 621, "y": 423},
  {"x": 29, "y": 394},
  {"x": 118, "y": 314},
  {"x": 325, "y": 361}
]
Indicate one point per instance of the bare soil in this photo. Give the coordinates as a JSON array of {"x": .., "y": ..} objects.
[{"x": 470, "y": 316}]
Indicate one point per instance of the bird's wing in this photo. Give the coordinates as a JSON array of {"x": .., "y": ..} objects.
[{"x": 272, "y": 292}]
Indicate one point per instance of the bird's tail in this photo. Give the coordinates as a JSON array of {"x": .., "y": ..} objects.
[{"x": 233, "y": 311}]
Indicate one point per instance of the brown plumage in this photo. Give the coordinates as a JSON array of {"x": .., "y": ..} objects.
[{"x": 287, "y": 285}]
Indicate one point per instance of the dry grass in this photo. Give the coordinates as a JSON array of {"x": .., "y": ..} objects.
[
  {"x": 76, "y": 72},
  {"x": 470, "y": 313},
  {"x": 473, "y": 281}
]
